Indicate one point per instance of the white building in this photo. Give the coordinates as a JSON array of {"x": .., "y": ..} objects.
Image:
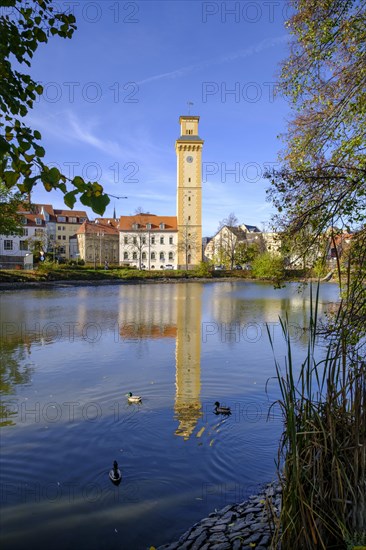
[{"x": 148, "y": 240}]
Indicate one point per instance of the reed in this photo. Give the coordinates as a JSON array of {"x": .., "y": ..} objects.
[{"x": 322, "y": 452}]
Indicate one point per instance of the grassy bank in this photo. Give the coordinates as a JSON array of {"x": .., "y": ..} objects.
[{"x": 54, "y": 272}]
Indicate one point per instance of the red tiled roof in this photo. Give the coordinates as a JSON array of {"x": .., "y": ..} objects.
[
  {"x": 90, "y": 228},
  {"x": 71, "y": 213},
  {"x": 126, "y": 222},
  {"x": 108, "y": 221}
]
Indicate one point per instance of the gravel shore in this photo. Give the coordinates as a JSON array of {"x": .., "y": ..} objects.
[{"x": 237, "y": 526}]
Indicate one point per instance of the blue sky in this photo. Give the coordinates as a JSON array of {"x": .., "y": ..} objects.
[{"x": 114, "y": 93}]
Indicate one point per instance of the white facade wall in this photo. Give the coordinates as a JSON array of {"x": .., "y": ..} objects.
[{"x": 157, "y": 248}]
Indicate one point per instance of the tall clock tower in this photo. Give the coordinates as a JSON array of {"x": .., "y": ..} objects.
[{"x": 189, "y": 192}]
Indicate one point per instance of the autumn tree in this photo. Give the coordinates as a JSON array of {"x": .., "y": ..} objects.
[
  {"x": 23, "y": 27},
  {"x": 322, "y": 183},
  {"x": 229, "y": 239}
]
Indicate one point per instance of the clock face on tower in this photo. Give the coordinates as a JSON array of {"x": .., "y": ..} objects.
[{"x": 189, "y": 159}]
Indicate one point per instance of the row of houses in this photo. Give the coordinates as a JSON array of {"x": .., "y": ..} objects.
[{"x": 143, "y": 240}]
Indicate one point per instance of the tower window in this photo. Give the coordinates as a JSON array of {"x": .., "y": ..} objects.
[
  {"x": 189, "y": 199},
  {"x": 189, "y": 218},
  {"x": 189, "y": 179}
]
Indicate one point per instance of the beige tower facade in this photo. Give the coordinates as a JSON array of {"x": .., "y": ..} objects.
[
  {"x": 189, "y": 192},
  {"x": 188, "y": 408}
]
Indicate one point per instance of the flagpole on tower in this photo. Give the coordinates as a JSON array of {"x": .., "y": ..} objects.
[{"x": 189, "y": 103}]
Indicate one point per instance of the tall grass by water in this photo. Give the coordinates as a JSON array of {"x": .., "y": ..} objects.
[{"x": 322, "y": 452}]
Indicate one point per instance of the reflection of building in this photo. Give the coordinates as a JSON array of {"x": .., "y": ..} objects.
[
  {"x": 188, "y": 357},
  {"x": 170, "y": 311}
]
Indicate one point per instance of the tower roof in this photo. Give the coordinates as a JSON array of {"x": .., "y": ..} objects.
[{"x": 188, "y": 117}]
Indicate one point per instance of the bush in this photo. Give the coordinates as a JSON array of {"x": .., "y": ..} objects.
[
  {"x": 268, "y": 266},
  {"x": 203, "y": 270}
]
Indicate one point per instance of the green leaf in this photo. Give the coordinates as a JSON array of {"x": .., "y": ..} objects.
[
  {"x": 70, "y": 199},
  {"x": 99, "y": 204},
  {"x": 79, "y": 183},
  {"x": 11, "y": 178},
  {"x": 4, "y": 146},
  {"x": 40, "y": 152},
  {"x": 54, "y": 176}
]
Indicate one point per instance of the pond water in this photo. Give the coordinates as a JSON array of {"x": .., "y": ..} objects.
[{"x": 69, "y": 356}]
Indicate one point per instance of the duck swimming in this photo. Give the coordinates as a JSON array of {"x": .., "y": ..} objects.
[
  {"x": 133, "y": 398},
  {"x": 115, "y": 474},
  {"x": 221, "y": 410}
]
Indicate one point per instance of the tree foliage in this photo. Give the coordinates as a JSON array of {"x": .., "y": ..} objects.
[
  {"x": 322, "y": 182},
  {"x": 323, "y": 178},
  {"x": 23, "y": 27},
  {"x": 10, "y": 221}
]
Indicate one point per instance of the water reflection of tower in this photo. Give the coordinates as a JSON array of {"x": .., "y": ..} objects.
[{"x": 188, "y": 355}]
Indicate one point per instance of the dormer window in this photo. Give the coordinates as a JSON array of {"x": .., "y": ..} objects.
[
  {"x": 148, "y": 226},
  {"x": 135, "y": 226},
  {"x": 38, "y": 221},
  {"x": 162, "y": 225}
]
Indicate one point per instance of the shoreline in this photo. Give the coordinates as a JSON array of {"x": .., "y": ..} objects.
[
  {"x": 50, "y": 284},
  {"x": 243, "y": 526}
]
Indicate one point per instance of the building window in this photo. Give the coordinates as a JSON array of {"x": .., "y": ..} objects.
[
  {"x": 161, "y": 256},
  {"x": 64, "y": 237},
  {"x": 72, "y": 220},
  {"x": 170, "y": 240},
  {"x": 143, "y": 240},
  {"x": 61, "y": 219},
  {"x": 134, "y": 256},
  {"x": 59, "y": 237},
  {"x": 170, "y": 255},
  {"x": 8, "y": 244},
  {"x": 148, "y": 226},
  {"x": 153, "y": 239},
  {"x": 134, "y": 240},
  {"x": 161, "y": 240},
  {"x": 25, "y": 232},
  {"x": 162, "y": 225},
  {"x": 38, "y": 221},
  {"x": 153, "y": 255},
  {"x": 189, "y": 180},
  {"x": 144, "y": 255},
  {"x": 23, "y": 245},
  {"x": 61, "y": 250},
  {"x": 125, "y": 255},
  {"x": 135, "y": 226},
  {"x": 125, "y": 239}
]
